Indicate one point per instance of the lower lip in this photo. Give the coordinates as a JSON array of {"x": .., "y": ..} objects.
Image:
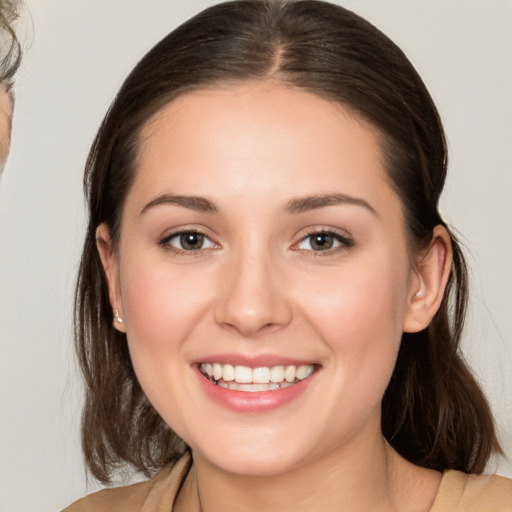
[{"x": 259, "y": 401}]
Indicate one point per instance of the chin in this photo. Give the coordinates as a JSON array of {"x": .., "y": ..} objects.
[{"x": 253, "y": 459}]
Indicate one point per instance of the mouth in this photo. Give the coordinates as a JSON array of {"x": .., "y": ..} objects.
[{"x": 253, "y": 380}]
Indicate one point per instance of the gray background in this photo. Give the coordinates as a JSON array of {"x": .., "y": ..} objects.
[{"x": 79, "y": 55}]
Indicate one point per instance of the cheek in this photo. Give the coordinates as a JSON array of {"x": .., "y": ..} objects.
[
  {"x": 359, "y": 314},
  {"x": 162, "y": 306},
  {"x": 156, "y": 293},
  {"x": 370, "y": 298}
]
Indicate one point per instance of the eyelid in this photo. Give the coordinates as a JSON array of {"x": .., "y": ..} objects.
[
  {"x": 344, "y": 238},
  {"x": 163, "y": 241},
  {"x": 179, "y": 231}
]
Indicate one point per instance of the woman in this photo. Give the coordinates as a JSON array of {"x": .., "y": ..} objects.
[{"x": 286, "y": 300}]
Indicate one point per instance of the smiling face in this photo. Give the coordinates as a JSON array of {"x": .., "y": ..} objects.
[{"x": 261, "y": 232}]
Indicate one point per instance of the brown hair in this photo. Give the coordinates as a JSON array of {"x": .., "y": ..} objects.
[
  {"x": 433, "y": 411},
  {"x": 10, "y": 48}
]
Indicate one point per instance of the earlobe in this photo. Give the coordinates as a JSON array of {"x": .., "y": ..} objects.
[
  {"x": 431, "y": 273},
  {"x": 109, "y": 263}
]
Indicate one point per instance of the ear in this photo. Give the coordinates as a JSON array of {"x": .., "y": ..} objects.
[
  {"x": 428, "y": 282},
  {"x": 110, "y": 267}
]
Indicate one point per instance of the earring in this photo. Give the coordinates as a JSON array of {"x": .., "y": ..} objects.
[{"x": 117, "y": 318}]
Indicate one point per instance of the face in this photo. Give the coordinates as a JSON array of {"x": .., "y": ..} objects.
[
  {"x": 5, "y": 124},
  {"x": 263, "y": 276}
]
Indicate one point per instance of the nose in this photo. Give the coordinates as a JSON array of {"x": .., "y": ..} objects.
[{"x": 253, "y": 300}]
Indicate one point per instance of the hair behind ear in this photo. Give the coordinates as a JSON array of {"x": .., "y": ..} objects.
[{"x": 434, "y": 412}]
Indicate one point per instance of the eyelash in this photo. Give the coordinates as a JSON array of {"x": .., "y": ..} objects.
[
  {"x": 165, "y": 242},
  {"x": 344, "y": 242}
]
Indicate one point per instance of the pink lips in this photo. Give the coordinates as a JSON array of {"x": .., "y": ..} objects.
[
  {"x": 252, "y": 361},
  {"x": 251, "y": 402}
]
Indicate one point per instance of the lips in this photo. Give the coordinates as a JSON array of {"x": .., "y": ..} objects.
[
  {"x": 255, "y": 384},
  {"x": 257, "y": 379}
]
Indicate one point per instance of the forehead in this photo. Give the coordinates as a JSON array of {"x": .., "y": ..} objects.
[{"x": 251, "y": 128}]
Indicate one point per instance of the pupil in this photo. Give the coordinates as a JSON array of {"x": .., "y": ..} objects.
[
  {"x": 191, "y": 241},
  {"x": 322, "y": 242}
]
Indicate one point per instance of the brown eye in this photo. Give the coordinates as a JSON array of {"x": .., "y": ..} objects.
[
  {"x": 187, "y": 241},
  {"x": 191, "y": 241},
  {"x": 323, "y": 241}
]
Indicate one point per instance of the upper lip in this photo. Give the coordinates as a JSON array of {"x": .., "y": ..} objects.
[{"x": 255, "y": 361}]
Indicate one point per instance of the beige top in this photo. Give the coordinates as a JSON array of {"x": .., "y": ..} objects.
[{"x": 458, "y": 492}]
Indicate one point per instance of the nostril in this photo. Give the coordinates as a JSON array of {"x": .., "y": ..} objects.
[
  {"x": 251, "y": 300},
  {"x": 250, "y": 328}
]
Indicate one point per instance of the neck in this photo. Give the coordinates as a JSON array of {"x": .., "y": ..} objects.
[{"x": 364, "y": 475}]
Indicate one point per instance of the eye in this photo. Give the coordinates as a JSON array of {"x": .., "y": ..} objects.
[
  {"x": 322, "y": 241},
  {"x": 188, "y": 241}
]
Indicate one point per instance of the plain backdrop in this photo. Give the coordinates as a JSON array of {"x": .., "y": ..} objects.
[{"x": 80, "y": 51}]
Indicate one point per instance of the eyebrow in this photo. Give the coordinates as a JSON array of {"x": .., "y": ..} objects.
[
  {"x": 294, "y": 206},
  {"x": 307, "y": 203},
  {"x": 199, "y": 204}
]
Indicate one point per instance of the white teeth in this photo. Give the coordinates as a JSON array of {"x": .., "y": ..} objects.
[
  {"x": 217, "y": 371},
  {"x": 243, "y": 374},
  {"x": 253, "y": 388},
  {"x": 228, "y": 373},
  {"x": 261, "y": 375},
  {"x": 289, "y": 374},
  {"x": 304, "y": 371},
  {"x": 277, "y": 373},
  {"x": 262, "y": 378}
]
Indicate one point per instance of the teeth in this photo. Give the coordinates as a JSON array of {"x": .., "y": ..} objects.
[
  {"x": 243, "y": 374},
  {"x": 277, "y": 373},
  {"x": 264, "y": 378},
  {"x": 217, "y": 371},
  {"x": 304, "y": 371},
  {"x": 228, "y": 373},
  {"x": 261, "y": 375},
  {"x": 253, "y": 388},
  {"x": 289, "y": 374}
]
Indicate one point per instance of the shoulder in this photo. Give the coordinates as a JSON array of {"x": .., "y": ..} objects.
[
  {"x": 479, "y": 493},
  {"x": 132, "y": 498}
]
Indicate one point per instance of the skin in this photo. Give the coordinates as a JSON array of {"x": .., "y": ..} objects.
[
  {"x": 5, "y": 124},
  {"x": 257, "y": 287}
]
